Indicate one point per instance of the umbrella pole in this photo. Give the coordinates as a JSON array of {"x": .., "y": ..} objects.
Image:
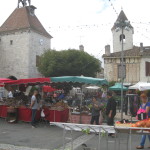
[{"x": 80, "y": 120}]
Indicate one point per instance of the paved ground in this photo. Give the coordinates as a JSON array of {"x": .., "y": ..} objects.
[{"x": 21, "y": 136}]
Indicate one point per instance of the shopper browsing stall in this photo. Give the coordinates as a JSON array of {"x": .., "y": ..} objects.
[
  {"x": 34, "y": 107},
  {"x": 143, "y": 113},
  {"x": 95, "y": 111}
]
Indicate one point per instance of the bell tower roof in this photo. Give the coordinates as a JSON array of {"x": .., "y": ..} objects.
[
  {"x": 121, "y": 17},
  {"x": 24, "y": 18}
]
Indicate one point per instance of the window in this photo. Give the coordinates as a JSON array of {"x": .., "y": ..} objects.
[
  {"x": 37, "y": 60},
  {"x": 124, "y": 60},
  {"x": 11, "y": 42},
  {"x": 122, "y": 36},
  {"x": 147, "y": 68},
  {"x": 121, "y": 71}
]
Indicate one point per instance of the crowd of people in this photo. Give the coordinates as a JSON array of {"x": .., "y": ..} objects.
[
  {"x": 142, "y": 113},
  {"x": 110, "y": 110}
]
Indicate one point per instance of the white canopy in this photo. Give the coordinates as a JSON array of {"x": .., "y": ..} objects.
[
  {"x": 93, "y": 87},
  {"x": 141, "y": 86}
]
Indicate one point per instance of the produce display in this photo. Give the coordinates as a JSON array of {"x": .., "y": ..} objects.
[
  {"x": 139, "y": 124},
  {"x": 143, "y": 123},
  {"x": 123, "y": 123},
  {"x": 60, "y": 106}
]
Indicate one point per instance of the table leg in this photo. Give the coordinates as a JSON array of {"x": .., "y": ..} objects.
[
  {"x": 99, "y": 139},
  {"x": 64, "y": 134},
  {"x": 130, "y": 140},
  {"x": 107, "y": 140},
  {"x": 119, "y": 140},
  {"x": 71, "y": 140},
  {"x": 115, "y": 140}
]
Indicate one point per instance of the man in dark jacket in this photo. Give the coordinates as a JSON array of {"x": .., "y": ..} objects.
[{"x": 110, "y": 109}]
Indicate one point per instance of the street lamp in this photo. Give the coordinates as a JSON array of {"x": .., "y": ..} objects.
[{"x": 123, "y": 25}]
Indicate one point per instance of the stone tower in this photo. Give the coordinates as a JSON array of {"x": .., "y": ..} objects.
[
  {"x": 22, "y": 40},
  {"x": 127, "y": 34}
]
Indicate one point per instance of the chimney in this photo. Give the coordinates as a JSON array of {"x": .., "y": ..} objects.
[
  {"x": 31, "y": 10},
  {"x": 81, "y": 47},
  {"x": 141, "y": 47},
  {"x": 107, "y": 49}
]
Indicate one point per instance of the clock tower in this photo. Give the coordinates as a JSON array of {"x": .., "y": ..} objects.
[
  {"x": 22, "y": 40},
  {"x": 127, "y": 34}
]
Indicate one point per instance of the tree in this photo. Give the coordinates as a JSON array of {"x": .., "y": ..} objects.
[{"x": 68, "y": 63}]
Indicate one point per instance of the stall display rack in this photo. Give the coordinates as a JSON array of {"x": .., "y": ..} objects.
[
  {"x": 96, "y": 129},
  {"x": 130, "y": 131}
]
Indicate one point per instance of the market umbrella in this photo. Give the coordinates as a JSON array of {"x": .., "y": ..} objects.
[
  {"x": 141, "y": 86},
  {"x": 93, "y": 87},
  {"x": 3, "y": 80},
  {"x": 80, "y": 79},
  {"x": 117, "y": 87},
  {"x": 30, "y": 81},
  {"x": 47, "y": 88}
]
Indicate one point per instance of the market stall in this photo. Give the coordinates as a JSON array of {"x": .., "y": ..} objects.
[
  {"x": 83, "y": 115},
  {"x": 20, "y": 105},
  {"x": 140, "y": 127},
  {"x": 117, "y": 87},
  {"x": 141, "y": 86},
  {"x": 98, "y": 130}
]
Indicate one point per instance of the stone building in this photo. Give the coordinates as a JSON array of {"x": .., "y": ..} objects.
[
  {"x": 136, "y": 59},
  {"x": 22, "y": 40}
]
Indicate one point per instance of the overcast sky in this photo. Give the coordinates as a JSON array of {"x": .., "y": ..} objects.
[{"x": 87, "y": 22}]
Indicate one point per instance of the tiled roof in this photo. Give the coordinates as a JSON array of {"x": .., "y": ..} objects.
[
  {"x": 121, "y": 17},
  {"x": 131, "y": 52},
  {"x": 21, "y": 18}
]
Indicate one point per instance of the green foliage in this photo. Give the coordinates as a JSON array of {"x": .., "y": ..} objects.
[
  {"x": 103, "y": 133},
  {"x": 68, "y": 63},
  {"x": 111, "y": 83},
  {"x": 86, "y": 131}
]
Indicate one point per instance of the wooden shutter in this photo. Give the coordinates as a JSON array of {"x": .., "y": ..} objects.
[
  {"x": 147, "y": 68},
  {"x": 37, "y": 60}
]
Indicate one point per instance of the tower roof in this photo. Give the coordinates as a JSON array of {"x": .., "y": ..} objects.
[
  {"x": 121, "y": 17},
  {"x": 23, "y": 18}
]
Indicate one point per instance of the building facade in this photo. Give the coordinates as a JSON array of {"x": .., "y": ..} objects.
[
  {"x": 135, "y": 59},
  {"x": 22, "y": 40}
]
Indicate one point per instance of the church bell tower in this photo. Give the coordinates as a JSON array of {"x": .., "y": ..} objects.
[{"x": 127, "y": 34}]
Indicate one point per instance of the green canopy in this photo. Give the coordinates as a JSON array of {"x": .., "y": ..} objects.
[
  {"x": 117, "y": 87},
  {"x": 80, "y": 79}
]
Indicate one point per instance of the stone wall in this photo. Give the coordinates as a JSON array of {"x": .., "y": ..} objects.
[
  {"x": 132, "y": 69},
  {"x": 18, "y": 52},
  {"x": 143, "y": 76},
  {"x": 14, "y": 56},
  {"x": 38, "y": 44},
  {"x": 117, "y": 44}
]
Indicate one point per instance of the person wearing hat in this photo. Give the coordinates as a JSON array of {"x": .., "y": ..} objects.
[{"x": 145, "y": 105}]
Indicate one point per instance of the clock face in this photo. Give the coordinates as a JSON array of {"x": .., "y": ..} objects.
[{"x": 41, "y": 41}]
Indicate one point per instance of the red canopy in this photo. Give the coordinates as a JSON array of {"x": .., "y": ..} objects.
[
  {"x": 30, "y": 81},
  {"x": 3, "y": 80},
  {"x": 48, "y": 89}
]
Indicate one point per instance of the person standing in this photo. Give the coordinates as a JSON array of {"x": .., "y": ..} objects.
[
  {"x": 34, "y": 107},
  {"x": 95, "y": 111},
  {"x": 110, "y": 109},
  {"x": 145, "y": 106}
]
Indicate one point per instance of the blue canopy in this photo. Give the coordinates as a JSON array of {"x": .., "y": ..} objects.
[
  {"x": 80, "y": 79},
  {"x": 117, "y": 87}
]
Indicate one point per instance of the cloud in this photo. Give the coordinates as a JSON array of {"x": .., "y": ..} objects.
[{"x": 87, "y": 22}]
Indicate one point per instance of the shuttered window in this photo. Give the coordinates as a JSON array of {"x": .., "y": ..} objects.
[
  {"x": 147, "y": 68},
  {"x": 37, "y": 60}
]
